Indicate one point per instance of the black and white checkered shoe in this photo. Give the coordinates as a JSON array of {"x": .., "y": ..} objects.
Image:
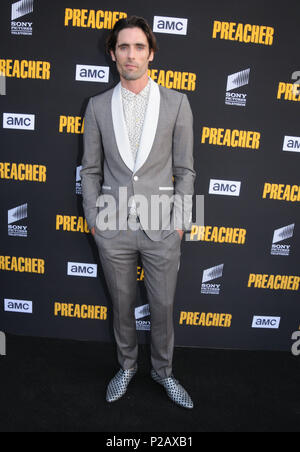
[
  {"x": 174, "y": 390},
  {"x": 119, "y": 384}
]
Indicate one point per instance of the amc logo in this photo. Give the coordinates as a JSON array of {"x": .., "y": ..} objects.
[
  {"x": 21, "y": 306},
  {"x": 97, "y": 74},
  {"x": 18, "y": 121},
  {"x": 224, "y": 187},
  {"x": 291, "y": 144},
  {"x": 266, "y": 322},
  {"x": 172, "y": 25},
  {"x": 80, "y": 269}
]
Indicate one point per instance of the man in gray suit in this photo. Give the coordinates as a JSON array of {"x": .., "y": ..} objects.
[{"x": 138, "y": 172}]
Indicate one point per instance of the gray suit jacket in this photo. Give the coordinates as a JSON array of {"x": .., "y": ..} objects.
[{"x": 164, "y": 164}]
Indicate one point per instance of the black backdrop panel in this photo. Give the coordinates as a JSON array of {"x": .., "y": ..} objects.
[{"x": 232, "y": 291}]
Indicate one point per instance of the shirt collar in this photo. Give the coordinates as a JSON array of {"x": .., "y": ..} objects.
[{"x": 130, "y": 95}]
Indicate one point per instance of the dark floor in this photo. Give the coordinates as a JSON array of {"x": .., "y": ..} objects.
[{"x": 52, "y": 385}]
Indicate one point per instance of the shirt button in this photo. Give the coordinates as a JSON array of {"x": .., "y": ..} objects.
[{"x": 136, "y": 178}]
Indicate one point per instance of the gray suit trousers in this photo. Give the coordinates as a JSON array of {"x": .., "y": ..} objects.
[{"x": 160, "y": 261}]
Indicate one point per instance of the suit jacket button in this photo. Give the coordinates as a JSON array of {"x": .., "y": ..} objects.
[{"x": 136, "y": 178}]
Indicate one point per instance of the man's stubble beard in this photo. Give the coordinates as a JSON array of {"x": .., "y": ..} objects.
[{"x": 130, "y": 76}]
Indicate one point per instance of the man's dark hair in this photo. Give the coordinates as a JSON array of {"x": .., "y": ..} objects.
[{"x": 131, "y": 22}]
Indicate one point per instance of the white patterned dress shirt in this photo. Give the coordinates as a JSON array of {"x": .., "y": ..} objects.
[{"x": 134, "y": 107}]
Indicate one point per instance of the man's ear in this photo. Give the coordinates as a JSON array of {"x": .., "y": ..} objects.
[
  {"x": 151, "y": 56},
  {"x": 113, "y": 57}
]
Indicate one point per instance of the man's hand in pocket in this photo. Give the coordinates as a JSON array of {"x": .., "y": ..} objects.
[{"x": 180, "y": 232}]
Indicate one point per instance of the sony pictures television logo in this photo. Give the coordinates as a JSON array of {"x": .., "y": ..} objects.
[
  {"x": 2, "y": 344},
  {"x": 211, "y": 274},
  {"x": 78, "y": 187},
  {"x": 280, "y": 235},
  {"x": 15, "y": 215},
  {"x": 234, "y": 83},
  {"x": 142, "y": 317},
  {"x": 18, "y": 11}
]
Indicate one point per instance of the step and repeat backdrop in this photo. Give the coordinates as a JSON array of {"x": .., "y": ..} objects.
[{"x": 239, "y": 280}]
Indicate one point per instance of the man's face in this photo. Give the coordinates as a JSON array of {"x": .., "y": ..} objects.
[{"x": 132, "y": 53}]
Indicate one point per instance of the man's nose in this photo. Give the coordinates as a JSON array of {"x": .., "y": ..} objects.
[{"x": 131, "y": 53}]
